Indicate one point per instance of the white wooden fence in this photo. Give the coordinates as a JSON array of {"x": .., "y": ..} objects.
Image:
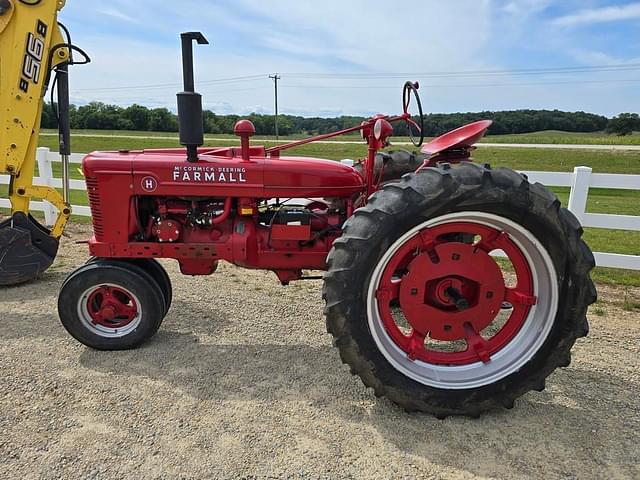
[
  {"x": 45, "y": 157},
  {"x": 580, "y": 180}
]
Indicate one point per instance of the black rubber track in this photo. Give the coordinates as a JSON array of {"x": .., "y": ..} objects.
[{"x": 433, "y": 192}]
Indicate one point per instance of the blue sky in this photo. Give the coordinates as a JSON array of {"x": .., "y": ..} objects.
[{"x": 352, "y": 56}]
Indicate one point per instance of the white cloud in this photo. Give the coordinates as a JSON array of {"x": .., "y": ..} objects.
[
  {"x": 252, "y": 37},
  {"x": 378, "y": 36},
  {"x": 526, "y": 7},
  {"x": 117, "y": 14},
  {"x": 600, "y": 15},
  {"x": 597, "y": 57},
  {"x": 293, "y": 36}
]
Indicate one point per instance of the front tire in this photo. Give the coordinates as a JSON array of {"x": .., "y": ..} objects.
[
  {"x": 111, "y": 305},
  {"x": 152, "y": 267},
  {"x": 436, "y": 324}
]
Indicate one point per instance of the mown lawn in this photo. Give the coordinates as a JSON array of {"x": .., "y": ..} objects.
[
  {"x": 557, "y": 137},
  {"x": 520, "y": 158},
  {"x": 548, "y": 136}
]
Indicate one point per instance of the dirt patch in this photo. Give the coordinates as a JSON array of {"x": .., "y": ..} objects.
[{"x": 242, "y": 381}]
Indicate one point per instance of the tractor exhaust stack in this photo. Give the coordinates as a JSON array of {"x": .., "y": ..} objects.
[{"x": 189, "y": 102}]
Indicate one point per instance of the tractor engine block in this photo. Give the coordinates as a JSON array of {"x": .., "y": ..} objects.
[
  {"x": 171, "y": 217},
  {"x": 254, "y": 233}
]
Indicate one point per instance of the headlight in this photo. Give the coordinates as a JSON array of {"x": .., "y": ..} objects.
[{"x": 382, "y": 129}]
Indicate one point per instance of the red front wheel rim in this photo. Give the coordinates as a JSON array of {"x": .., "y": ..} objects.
[{"x": 109, "y": 310}]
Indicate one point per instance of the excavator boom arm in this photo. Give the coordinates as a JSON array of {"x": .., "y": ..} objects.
[
  {"x": 28, "y": 30},
  {"x": 32, "y": 49}
]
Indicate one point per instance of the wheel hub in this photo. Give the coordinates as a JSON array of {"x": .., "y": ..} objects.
[
  {"x": 111, "y": 307},
  {"x": 461, "y": 284},
  {"x": 108, "y": 313},
  {"x": 445, "y": 291}
]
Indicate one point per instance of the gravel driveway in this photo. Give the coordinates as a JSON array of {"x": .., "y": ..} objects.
[{"x": 242, "y": 382}]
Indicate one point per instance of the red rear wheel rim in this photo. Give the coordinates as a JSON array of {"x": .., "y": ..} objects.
[{"x": 449, "y": 290}]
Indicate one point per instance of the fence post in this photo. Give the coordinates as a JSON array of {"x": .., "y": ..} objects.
[
  {"x": 45, "y": 171},
  {"x": 579, "y": 191}
]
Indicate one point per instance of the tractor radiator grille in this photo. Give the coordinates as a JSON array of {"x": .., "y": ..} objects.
[{"x": 96, "y": 210}]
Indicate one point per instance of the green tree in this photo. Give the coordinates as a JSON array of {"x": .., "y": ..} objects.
[
  {"x": 49, "y": 116},
  {"x": 624, "y": 124},
  {"x": 98, "y": 115},
  {"x": 138, "y": 116},
  {"x": 162, "y": 120},
  {"x": 210, "y": 122}
]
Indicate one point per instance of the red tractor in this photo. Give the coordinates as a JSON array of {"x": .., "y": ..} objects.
[{"x": 450, "y": 287}]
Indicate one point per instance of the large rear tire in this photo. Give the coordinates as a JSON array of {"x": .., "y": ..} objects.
[{"x": 437, "y": 324}]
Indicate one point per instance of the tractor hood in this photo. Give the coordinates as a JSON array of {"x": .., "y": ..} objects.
[
  {"x": 295, "y": 175},
  {"x": 220, "y": 173}
]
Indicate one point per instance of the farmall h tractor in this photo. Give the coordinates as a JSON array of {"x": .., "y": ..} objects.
[{"x": 450, "y": 287}]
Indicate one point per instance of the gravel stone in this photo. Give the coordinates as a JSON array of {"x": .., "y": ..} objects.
[{"x": 242, "y": 382}]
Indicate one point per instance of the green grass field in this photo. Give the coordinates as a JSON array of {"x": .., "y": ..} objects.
[
  {"x": 600, "y": 200},
  {"x": 547, "y": 136},
  {"x": 523, "y": 159},
  {"x": 564, "y": 138}
]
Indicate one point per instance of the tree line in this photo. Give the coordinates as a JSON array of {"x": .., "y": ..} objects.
[{"x": 101, "y": 116}]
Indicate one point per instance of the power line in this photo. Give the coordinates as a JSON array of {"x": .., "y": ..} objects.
[
  {"x": 472, "y": 73},
  {"x": 382, "y": 75},
  {"x": 218, "y": 94},
  {"x": 467, "y": 85},
  {"x": 219, "y": 81},
  {"x": 121, "y": 96}
]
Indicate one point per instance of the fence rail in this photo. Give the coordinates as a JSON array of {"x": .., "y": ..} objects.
[{"x": 580, "y": 181}]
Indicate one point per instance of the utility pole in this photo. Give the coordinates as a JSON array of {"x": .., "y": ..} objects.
[{"x": 275, "y": 78}]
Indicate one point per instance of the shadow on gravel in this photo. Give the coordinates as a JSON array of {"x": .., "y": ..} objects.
[
  {"x": 558, "y": 430},
  {"x": 226, "y": 371},
  {"x": 51, "y": 280},
  {"x": 556, "y": 439},
  {"x": 44, "y": 323},
  {"x": 28, "y": 318},
  {"x": 200, "y": 319}
]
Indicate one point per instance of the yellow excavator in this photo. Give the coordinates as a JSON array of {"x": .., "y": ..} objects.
[{"x": 35, "y": 53}]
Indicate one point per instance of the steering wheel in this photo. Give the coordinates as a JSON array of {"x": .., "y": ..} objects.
[{"x": 408, "y": 89}]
